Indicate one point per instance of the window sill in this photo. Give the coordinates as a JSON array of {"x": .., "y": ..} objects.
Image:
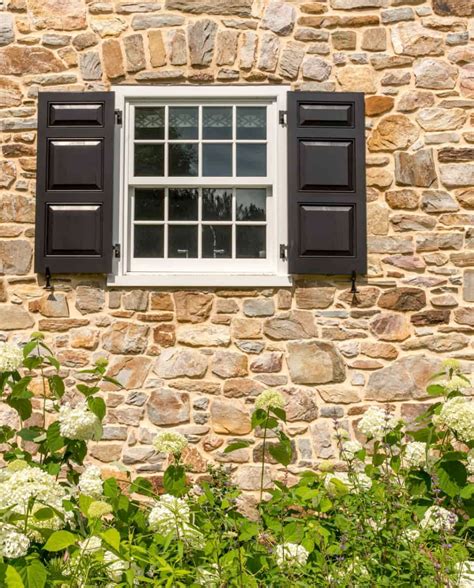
[{"x": 200, "y": 280}]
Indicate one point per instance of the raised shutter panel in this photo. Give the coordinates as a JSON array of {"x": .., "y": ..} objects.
[
  {"x": 326, "y": 183},
  {"x": 74, "y": 186}
]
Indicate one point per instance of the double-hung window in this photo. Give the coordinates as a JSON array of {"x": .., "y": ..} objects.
[{"x": 201, "y": 195}]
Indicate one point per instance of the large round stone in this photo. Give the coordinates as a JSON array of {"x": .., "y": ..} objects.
[{"x": 315, "y": 362}]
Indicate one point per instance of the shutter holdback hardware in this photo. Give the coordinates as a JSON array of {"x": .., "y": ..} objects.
[
  {"x": 353, "y": 283},
  {"x": 47, "y": 279}
]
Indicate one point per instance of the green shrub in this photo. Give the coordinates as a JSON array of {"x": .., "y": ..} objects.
[{"x": 397, "y": 511}]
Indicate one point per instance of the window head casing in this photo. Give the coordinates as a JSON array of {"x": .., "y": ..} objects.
[{"x": 201, "y": 186}]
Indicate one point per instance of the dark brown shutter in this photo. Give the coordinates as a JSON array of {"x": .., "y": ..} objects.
[
  {"x": 74, "y": 188},
  {"x": 326, "y": 183}
]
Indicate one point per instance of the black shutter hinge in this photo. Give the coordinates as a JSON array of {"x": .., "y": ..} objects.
[
  {"x": 282, "y": 117},
  {"x": 117, "y": 250},
  {"x": 283, "y": 250},
  {"x": 118, "y": 116}
]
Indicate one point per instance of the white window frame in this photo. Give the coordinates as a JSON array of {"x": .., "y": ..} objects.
[{"x": 274, "y": 270}]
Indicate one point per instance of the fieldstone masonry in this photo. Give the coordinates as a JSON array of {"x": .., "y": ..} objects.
[{"x": 194, "y": 361}]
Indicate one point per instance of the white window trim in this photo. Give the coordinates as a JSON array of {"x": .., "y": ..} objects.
[{"x": 276, "y": 272}]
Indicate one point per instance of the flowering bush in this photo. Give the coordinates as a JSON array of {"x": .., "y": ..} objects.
[{"x": 397, "y": 508}]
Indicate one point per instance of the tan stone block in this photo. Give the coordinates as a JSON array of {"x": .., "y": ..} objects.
[
  {"x": 134, "y": 52},
  {"x": 230, "y": 417},
  {"x": 67, "y": 15},
  {"x": 112, "y": 59}
]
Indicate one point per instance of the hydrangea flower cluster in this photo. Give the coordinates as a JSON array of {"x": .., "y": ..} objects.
[
  {"x": 439, "y": 519},
  {"x": 115, "y": 567},
  {"x": 470, "y": 463},
  {"x": 270, "y": 399},
  {"x": 172, "y": 515},
  {"x": 11, "y": 357},
  {"x": 90, "y": 482},
  {"x": 28, "y": 483},
  {"x": 457, "y": 414},
  {"x": 355, "y": 482},
  {"x": 464, "y": 574},
  {"x": 415, "y": 455},
  {"x": 349, "y": 449},
  {"x": 13, "y": 544},
  {"x": 90, "y": 544},
  {"x": 169, "y": 442},
  {"x": 411, "y": 535},
  {"x": 376, "y": 423},
  {"x": 289, "y": 554},
  {"x": 78, "y": 422}
]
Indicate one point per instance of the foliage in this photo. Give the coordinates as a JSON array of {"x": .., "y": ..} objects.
[{"x": 397, "y": 511}]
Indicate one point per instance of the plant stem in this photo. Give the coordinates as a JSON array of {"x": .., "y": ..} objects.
[{"x": 262, "y": 473}]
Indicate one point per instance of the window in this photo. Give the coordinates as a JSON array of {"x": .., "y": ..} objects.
[{"x": 201, "y": 188}]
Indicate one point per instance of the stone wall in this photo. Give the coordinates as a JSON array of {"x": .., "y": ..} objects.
[{"x": 195, "y": 360}]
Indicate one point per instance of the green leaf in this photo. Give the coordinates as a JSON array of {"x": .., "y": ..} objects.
[
  {"x": 280, "y": 413},
  {"x": 112, "y": 381},
  {"x": 56, "y": 385},
  {"x": 60, "y": 540},
  {"x": 452, "y": 477},
  {"x": 435, "y": 390},
  {"x": 248, "y": 530},
  {"x": 112, "y": 538},
  {"x": 54, "y": 439},
  {"x": 44, "y": 514},
  {"x": 237, "y": 445},
  {"x": 142, "y": 486},
  {"x": 13, "y": 578},
  {"x": 259, "y": 416},
  {"x": 281, "y": 451},
  {"x": 34, "y": 574},
  {"x": 97, "y": 406},
  {"x": 467, "y": 492},
  {"x": 174, "y": 480}
]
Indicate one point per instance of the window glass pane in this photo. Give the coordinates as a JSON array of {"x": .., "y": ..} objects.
[
  {"x": 148, "y": 241},
  {"x": 183, "y": 159},
  {"x": 149, "y": 204},
  {"x": 150, "y": 123},
  {"x": 182, "y": 241},
  {"x": 183, "y": 122},
  {"x": 251, "y": 204},
  {"x": 251, "y": 242},
  {"x": 251, "y": 159},
  {"x": 183, "y": 204},
  {"x": 217, "y": 159},
  {"x": 149, "y": 160},
  {"x": 251, "y": 122},
  {"x": 216, "y": 241},
  {"x": 217, "y": 122},
  {"x": 216, "y": 204}
]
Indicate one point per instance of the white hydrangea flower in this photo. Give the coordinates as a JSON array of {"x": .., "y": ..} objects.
[
  {"x": 349, "y": 449},
  {"x": 90, "y": 482},
  {"x": 270, "y": 399},
  {"x": 78, "y": 422},
  {"x": 415, "y": 455},
  {"x": 454, "y": 384},
  {"x": 470, "y": 462},
  {"x": 33, "y": 483},
  {"x": 90, "y": 544},
  {"x": 208, "y": 577},
  {"x": 289, "y": 554},
  {"x": 169, "y": 442},
  {"x": 13, "y": 544},
  {"x": 439, "y": 519},
  {"x": 115, "y": 567},
  {"x": 172, "y": 515},
  {"x": 411, "y": 535},
  {"x": 376, "y": 423},
  {"x": 11, "y": 357},
  {"x": 457, "y": 414},
  {"x": 464, "y": 574},
  {"x": 355, "y": 482}
]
